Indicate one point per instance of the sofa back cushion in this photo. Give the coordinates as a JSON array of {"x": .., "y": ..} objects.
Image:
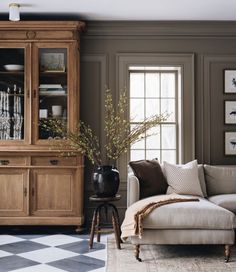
[
  {"x": 220, "y": 179},
  {"x": 151, "y": 178},
  {"x": 202, "y": 179},
  {"x": 183, "y": 179}
]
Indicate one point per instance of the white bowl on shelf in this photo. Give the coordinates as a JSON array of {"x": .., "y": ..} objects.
[{"x": 14, "y": 67}]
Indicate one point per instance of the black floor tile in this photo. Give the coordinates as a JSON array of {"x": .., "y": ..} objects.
[
  {"x": 78, "y": 264},
  {"x": 14, "y": 262},
  {"x": 82, "y": 247},
  {"x": 21, "y": 247}
]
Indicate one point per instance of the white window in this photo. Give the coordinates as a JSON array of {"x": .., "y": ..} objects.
[{"x": 156, "y": 90}]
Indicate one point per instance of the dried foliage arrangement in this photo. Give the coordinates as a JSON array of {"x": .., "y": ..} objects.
[{"x": 118, "y": 132}]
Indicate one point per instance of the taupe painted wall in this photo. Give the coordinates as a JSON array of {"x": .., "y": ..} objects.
[{"x": 214, "y": 47}]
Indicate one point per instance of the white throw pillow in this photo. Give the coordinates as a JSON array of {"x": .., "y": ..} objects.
[{"x": 183, "y": 179}]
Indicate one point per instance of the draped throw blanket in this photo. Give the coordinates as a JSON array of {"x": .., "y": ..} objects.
[{"x": 132, "y": 224}]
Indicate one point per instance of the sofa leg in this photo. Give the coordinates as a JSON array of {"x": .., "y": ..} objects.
[
  {"x": 136, "y": 253},
  {"x": 227, "y": 253}
]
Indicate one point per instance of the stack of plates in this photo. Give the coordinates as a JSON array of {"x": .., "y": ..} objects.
[{"x": 14, "y": 67}]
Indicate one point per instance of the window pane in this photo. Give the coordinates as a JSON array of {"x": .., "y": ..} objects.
[
  {"x": 136, "y": 155},
  {"x": 153, "y": 154},
  {"x": 169, "y": 156},
  {"x": 168, "y": 85},
  {"x": 168, "y": 106},
  {"x": 140, "y": 144},
  {"x": 153, "y": 141},
  {"x": 137, "y": 85},
  {"x": 137, "y": 110},
  {"x": 168, "y": 136},
  {"x": 152, "y": 107},
  {"x": 152, "y": 85}
]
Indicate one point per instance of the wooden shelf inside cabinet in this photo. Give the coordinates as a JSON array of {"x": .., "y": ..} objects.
[
  {"x": 54, "y": 118},
  {"x": 52, "y": 74},
  {"x": 17, "y": 73},
  {"x": 20, "y": 95},
  {"x": 52, "y": 95}
]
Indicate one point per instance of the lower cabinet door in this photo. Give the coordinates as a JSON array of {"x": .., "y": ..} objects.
[
  {"x": 13, "y": 192},
  {"x": 52, "y": 192}
]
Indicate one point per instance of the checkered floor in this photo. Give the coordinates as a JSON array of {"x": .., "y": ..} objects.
[{"x": 51, "y": 253}]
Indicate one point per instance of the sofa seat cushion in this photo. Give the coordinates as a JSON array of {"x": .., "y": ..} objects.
[
  {"x": 190, "y": 215},
  {"x": 227, "y": 201}
]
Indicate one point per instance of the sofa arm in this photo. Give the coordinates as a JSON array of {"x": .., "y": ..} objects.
[{"x": 132, "y": 190}]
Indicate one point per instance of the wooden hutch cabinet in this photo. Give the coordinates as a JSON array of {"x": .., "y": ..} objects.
[{"x": 39, "y": 80}]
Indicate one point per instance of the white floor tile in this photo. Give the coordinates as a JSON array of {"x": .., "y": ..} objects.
[
  {"x": 9, "y": 239},
  {"x": 103, "y": 269},
  {"x": 40, "y": 268},
  {"x": 48, "y": 255},
  {"x": 4, "y": 254},
  {"x": 104, "y": 237},
  {"x": 98, "y": 254},
  {"x": 56, "y": 240}
]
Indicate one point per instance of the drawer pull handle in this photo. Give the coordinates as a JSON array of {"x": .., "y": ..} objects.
[
  {"x": 25, "y": 192},
  {"x": 54, "y": 162},
  {"x": 4, "y": 162}
]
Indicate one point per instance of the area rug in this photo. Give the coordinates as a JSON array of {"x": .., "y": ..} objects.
[{"x": 199, "y": 258}]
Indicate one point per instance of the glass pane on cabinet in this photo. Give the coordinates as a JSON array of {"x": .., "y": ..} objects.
[
  {"x": 53, "y": 93},
  {"x": 12, "y": 94}
]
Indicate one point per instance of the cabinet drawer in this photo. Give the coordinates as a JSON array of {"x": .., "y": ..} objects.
[
  {"x": 12, "y": 161},
  {"x": 54, "y": 161}
]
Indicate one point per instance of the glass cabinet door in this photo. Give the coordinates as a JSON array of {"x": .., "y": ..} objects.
[
  {"x": 12, "y": 94},
  {"x": 52, "y": 89}
]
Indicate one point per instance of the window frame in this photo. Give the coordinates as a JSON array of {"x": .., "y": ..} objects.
[
  {"x": 176, "y": 122},
  {"x": 186, "y": 62}
]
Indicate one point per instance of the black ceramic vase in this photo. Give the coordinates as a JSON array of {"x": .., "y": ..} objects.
[{"x": 105, "y": 181}]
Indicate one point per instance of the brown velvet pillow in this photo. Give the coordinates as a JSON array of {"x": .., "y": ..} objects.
[{"x": 151, "y": 178}]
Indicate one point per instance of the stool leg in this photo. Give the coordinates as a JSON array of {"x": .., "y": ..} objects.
[
  {"x": 117, "y": 219},
  {"x": 93, "y": 229},
  {"x": 98, "y": 226},
  {"x": 116, "y": 230}
]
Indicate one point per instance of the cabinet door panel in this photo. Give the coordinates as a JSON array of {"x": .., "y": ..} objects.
[
  {"x": 54, "y": 89},
  {"x": 14, "y": 94},
  {"x": 53, "y": 192},
  {"x": 13, "y": 192}
]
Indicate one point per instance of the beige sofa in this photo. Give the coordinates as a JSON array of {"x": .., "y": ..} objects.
[{"x": 209, "y": 221}]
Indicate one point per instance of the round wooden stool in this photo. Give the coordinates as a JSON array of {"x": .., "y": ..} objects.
[{"x": 105, "y": 203}]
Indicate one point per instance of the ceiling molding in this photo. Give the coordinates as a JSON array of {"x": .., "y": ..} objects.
[{"x": 160, "y": 29}]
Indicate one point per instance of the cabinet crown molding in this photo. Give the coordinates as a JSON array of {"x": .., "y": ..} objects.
[{"x": 43, "y": 25}]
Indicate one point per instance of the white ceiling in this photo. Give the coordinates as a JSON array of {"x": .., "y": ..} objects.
[{"x": 130, "y": 9}]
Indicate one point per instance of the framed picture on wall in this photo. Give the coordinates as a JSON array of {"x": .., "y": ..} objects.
[
  {"x": 230, "y": 112},
  {"x": 229, "y": 81},
  {"x": 230, "y": 143}
]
